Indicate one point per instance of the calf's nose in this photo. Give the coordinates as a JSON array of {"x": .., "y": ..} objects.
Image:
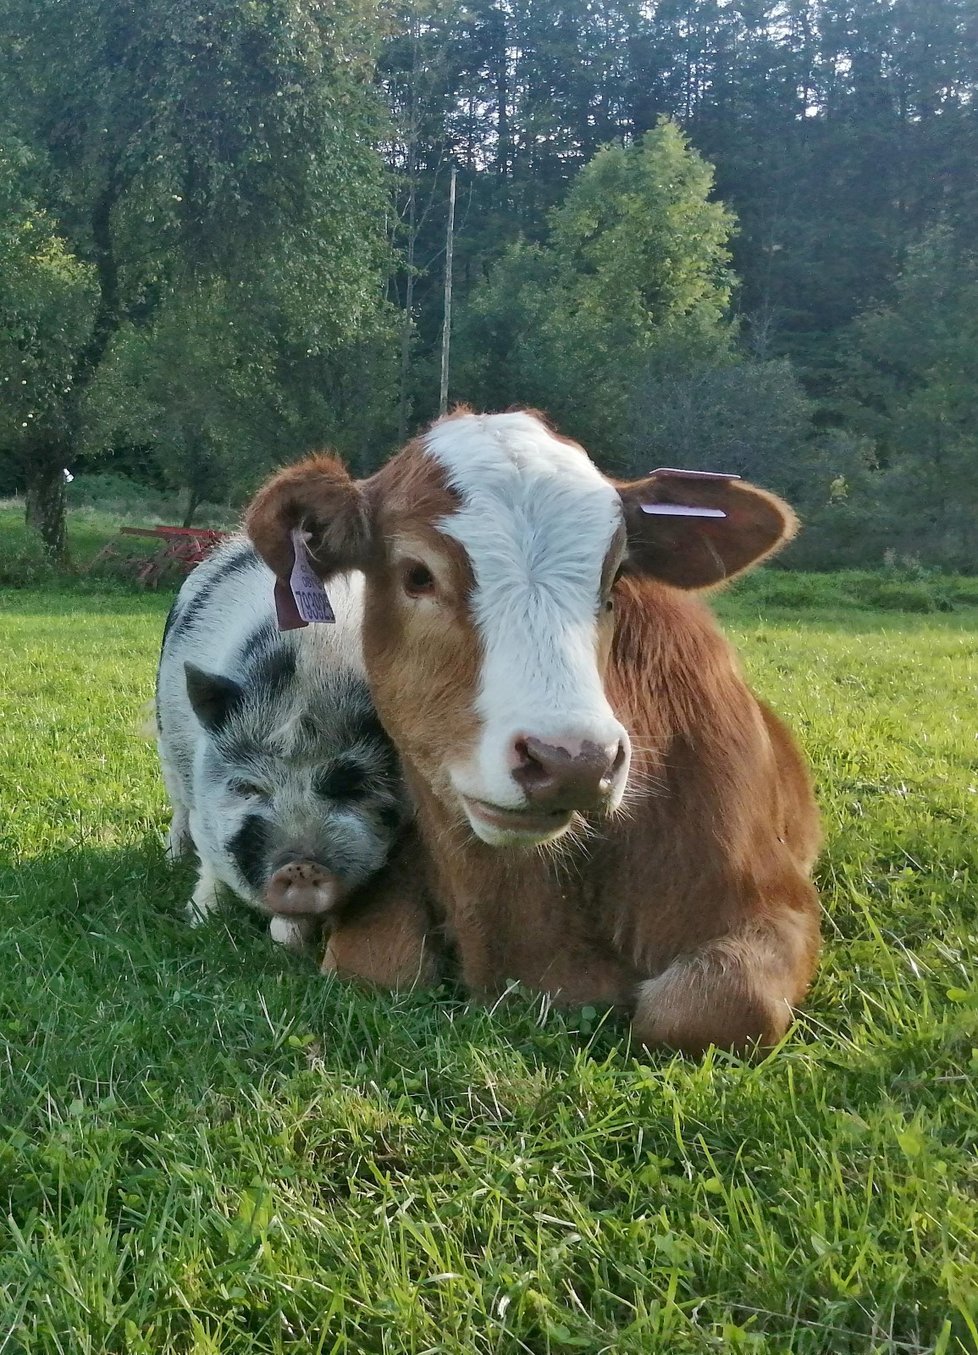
[
  {"x": 569, "y": 774},
  {"x": 302, "y": 888}
]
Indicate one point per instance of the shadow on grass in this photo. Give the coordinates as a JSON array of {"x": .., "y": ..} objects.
[{"x": 108, "y": 992}]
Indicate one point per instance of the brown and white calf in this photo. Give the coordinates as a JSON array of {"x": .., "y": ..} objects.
[{"x": 537, "y": 653}]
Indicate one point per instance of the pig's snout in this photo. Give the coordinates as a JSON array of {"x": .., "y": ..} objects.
[{"x": 302, "y": 887}]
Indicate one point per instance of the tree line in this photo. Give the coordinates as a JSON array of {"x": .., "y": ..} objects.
[{"x": 733, "y": 235}]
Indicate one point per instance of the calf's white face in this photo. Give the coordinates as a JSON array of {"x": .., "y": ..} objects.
[{"x": 541, "y": 529}]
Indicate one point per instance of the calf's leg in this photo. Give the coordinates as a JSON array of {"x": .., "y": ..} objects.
[
  {"x": 385, "y": 935},
  {"x": 737, "y": 992},
  {"x": 384, "y": 942}
]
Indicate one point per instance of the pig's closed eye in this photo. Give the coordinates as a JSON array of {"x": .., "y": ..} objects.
[
  {"x": 343, "y": 781},
  {"x": 249, "y": 788}
]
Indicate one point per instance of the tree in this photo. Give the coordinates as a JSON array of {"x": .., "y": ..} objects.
[
  {"x": 195, "y": 389},
  {"x": 840, "y": 129},
  {"x": 47, "y": 304},
  {"x": 909, "y": 384},
  {"x": 183, "y": 146},
  {"x": 635, "y": 265},
  {"x": 734, "y": 415}
]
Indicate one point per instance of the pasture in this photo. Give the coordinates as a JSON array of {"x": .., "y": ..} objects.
[{"x": 205, "y": 1147}]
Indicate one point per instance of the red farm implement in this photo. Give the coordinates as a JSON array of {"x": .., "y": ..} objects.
[{"x": 180, "y": 548}]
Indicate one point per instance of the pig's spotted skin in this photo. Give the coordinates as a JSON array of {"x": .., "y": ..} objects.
[
  {"x": 249, "y": 847},
  {"x": 293, "y": 764}
]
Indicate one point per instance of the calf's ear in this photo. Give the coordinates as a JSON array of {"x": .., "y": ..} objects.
[
  {"x": 318, "y": 497},
  {"x": 728, "y": 526}
]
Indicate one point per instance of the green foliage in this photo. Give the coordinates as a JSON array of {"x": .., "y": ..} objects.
[
  {"x": 97, "y": 510},
  {"x": 216, "y": 174},
  {"x": 258, "y": 147},
  {"x": 912, "y": 387},
  {"x": 639, "y": 244},
  {"x": 196, "y": 389},
  {"x": 47, "y": 303},
  {"x": 207, "y": 1147},
  {"x": 222, "y": 170},
  {"x": 895, "y": 588},
  {"x": 24, "y": 563},
  {"x": 732, "y": 414},
  {"x": 839, "y": 133},
  {"x": 118, "y": 499},
  {"x": 635, "y": 266}
]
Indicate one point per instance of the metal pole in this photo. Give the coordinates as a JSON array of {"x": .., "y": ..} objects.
[{"x": 446, "y": 331}]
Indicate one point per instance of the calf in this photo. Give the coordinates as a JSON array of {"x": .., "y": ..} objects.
[{"x": 606, "y": 812}]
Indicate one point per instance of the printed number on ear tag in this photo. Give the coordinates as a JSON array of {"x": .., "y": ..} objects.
[
  {"x": 303, "y": 598},
  {"x": 681, "y": 510}
]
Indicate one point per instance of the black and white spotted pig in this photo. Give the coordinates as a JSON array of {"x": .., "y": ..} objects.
[{"x": 278, "y": 770}]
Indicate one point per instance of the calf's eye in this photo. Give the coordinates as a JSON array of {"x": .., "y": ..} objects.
[{"x": 418, "y": 580}]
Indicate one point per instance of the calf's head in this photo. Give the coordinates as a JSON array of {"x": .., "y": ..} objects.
[{"x": 491, "y": 548}]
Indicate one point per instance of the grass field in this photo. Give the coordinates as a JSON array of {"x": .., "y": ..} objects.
[{"x": 205, "y": 1147}]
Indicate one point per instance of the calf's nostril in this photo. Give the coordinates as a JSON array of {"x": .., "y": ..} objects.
[
  {"x": 620, "y": 754},
  {"x": 570, "y": 774},
  {"x": 530, "y": 771}
]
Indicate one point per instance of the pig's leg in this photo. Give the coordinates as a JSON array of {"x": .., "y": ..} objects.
[
  {"x": 179, "y": 840},
  {"x": 295, "y": 933},
  {"x": 204, "y": 899}
]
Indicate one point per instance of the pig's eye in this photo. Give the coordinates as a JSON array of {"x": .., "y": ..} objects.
[
  {"x": 344, "y": 781},
  {"x": 418, "y": 579},
  {"x": 249, "y": 788}
]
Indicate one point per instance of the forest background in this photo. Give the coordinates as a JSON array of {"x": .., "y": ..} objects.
[{"x": 729, "y": 236}]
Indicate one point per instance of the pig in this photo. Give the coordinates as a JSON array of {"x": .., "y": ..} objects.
[{"x": 279, "y": 772}]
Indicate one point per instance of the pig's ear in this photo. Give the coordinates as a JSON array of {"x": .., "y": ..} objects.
[
  {"x": 696, "y": 531},
  {"x": 318, "y": 497},
  {"x": 213, "y": 697}
]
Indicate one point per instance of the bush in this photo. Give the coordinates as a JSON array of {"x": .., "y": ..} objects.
[
  {"x": 138, "y": 505},
  {"x": 24, "y": 562},
  {"x": 905, "y": 588},
  {"x": 891, "y": 595}
]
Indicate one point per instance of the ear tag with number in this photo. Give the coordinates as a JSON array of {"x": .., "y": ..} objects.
[
  {"x": 679, "y": 510},
  {"x": 303, "y": 598}
]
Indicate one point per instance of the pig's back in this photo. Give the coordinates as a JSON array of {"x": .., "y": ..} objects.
[{"x": 223, "y": 620}]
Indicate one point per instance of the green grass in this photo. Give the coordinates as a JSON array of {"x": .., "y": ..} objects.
[{"x": 208, "y": 1148}]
